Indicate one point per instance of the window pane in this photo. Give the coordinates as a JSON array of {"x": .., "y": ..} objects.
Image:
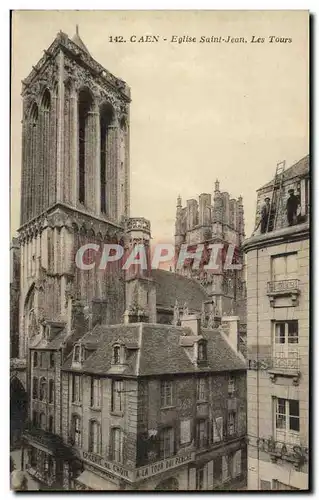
[
  {"x": 280, "y": 333},
  {"x": 292, "y": 264},
  {"x": 294, "y": 424},
  {"x": 293, "y": 332},
  {"x": 294, "y": 408},
  {"x": 279, "y": 268}
]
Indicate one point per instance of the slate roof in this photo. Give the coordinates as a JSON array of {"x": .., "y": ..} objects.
[
  {"x": 171, "y": 286},
  {"x": 299, "y": 169},
  {"x": 159, "y": 351},
  {"x": 62, "y": 339}
]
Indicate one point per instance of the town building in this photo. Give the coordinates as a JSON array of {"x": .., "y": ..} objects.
[
  {"x": 208, "y": 221},
  {"x": 278, "y": 333},
  {"x": 115, "y": 346},
  {"x": 139, "y": 406}
]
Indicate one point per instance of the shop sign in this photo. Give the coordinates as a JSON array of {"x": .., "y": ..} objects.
[
  {"x": 115, "y": 469},
  {"x": 142, "y": 472},
  {"x": 164, "y": 465}
]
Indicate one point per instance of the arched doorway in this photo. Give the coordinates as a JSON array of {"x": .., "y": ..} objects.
[
  {"x": 170, "y": 484},
  {"x": 18, "y": 412}
]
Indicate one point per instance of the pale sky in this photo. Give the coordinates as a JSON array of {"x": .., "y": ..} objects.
[{"x": 199, "y": 111}]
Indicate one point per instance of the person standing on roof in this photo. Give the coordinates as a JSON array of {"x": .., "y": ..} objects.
[{"x": 264, "y": 214}]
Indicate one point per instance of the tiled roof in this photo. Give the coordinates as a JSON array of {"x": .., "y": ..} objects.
[
  {"x": 159, "y": 350},
  {"x": 299, "y": 169},
  {"x": 171, "y": 286}
]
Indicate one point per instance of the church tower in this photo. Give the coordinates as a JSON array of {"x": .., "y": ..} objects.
[{"x": 74, "y": 185}]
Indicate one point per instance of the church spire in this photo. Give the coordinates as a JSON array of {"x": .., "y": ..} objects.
[{"x": 79, "y": 42}]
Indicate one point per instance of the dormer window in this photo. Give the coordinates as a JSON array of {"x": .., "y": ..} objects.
[
  {"x": 78, "y": 354},
  {"x": 202, "y": 351},
  {"x": 116, "y": 355}
]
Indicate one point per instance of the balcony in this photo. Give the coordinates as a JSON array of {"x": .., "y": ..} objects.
[
  {"x": 285, "y": 365},
  {"x": 295, "y": 453},
  {"x": 283, "y": 288},
  {"x": 139, "y": 224}
]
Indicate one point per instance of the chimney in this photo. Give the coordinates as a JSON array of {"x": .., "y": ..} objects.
[
  {"x": 193, "y": 322},
  {"x": 230, "y": 327}
]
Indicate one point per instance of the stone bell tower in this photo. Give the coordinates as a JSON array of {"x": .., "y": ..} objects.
[{"x": 74, "y": 184}]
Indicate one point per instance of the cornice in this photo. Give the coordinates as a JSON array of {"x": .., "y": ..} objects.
[{"x": 285, "y": 235}]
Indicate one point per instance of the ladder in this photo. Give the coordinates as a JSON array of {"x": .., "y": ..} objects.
[{"x": 276, "y": 196}]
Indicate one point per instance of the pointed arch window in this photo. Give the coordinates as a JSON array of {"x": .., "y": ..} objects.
[
  {"x": 32, "y": 161},
  {"x": 35, "y": 388},
  {"x": 35, "y": 359},
  {"x": 51, "y": 391},
  {"x": 106, "y": 124}
]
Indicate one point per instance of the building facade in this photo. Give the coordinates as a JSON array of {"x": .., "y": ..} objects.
[
  {"x": 142, "y": 407},
  {"x": 207, "y": 221},
  {"x": 278, "y": 340}
]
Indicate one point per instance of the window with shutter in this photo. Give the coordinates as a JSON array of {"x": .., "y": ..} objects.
[
  {"x": 225, "y": 468},
  {"x": 95, "y": 437},
  {"x": 76, "y": 389},
  {"x": 202, "y": 433},
  {"x": 96, "y": 392},
  {"x": 210, "y": 474},
  {"x": 217, "y": 429},
  {"x": 200, "y": 475},
  {"x": 167, "y": 442},
  {"x": 237, "y": 463},
  {"x": 117, "y": 395},
  {"x": 166, "y": 393},
  {"x": 218, "y": 471},
  {"x": 117, "y": 445}
]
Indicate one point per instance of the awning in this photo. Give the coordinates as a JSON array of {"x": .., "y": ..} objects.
[{"x": 95, "y": 482}]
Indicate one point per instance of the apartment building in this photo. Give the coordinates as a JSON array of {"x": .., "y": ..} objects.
[{"x": 278, "y": 336}]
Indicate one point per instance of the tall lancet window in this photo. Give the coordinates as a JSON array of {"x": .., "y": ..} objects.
[
  {"x": 106, "y": 122},
  {"x": 122, "y": 209},
  {"x": 85, "y": 139},
  {"x": 44, "y": 164},
  {"x": 32, "y": 159}
]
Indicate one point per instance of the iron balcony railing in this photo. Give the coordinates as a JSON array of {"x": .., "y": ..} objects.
[
  {"x": 285, "y": 361},
  {"x": 283, "y": 286}
]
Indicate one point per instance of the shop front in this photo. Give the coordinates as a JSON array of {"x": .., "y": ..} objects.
[{"x": 99, "y": 474}]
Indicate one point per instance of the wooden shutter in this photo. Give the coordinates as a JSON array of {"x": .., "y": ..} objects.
[
  {"x": 217, "y": 429},
  {"x": 225, "y": 471},
  {"x": 210, "y": 474}
]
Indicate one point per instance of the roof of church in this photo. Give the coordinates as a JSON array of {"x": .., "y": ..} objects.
[
  {"x": 156, "y": 351},
  {"x": 78, "y": 40},
  {"x": 299, "y": 169},
  {"x": 171, "y": 286},
  {"x": 72, "y": 45}
]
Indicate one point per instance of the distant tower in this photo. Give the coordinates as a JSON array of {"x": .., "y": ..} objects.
[
  {"x": 220, "y": 220},
  {"x": 74, "y": 185}
]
